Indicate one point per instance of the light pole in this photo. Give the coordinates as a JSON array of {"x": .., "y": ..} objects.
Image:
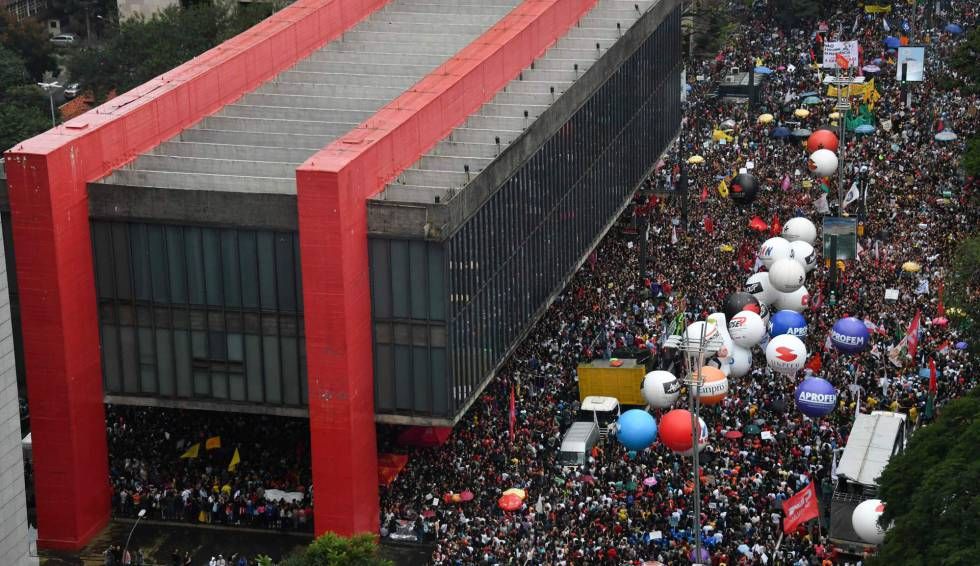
[
  {"x": 696, "y": 350},
  {"x": 50, "y": 88},
  {"x": 139, "y": 516}
]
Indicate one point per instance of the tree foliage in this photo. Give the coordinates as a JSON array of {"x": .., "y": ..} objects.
[
  {"x": 971, "y": 157},
  {"x": 142, "y": 49},
  {"x": 932, "y": 492},
  {"x": 29, "y": 40},
  {"x": 23, "y": 106},
  {"x": 963, "y": 290},
  {"x": 966, "y": 62},
  {"x": 334, "y": 550}
]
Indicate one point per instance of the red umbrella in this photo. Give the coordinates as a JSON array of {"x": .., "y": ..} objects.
[
  {"x": 467, "y": 495},
  {"x": 510, "y": 502},
  {"x": 428, "y": 513},
  {"x": 733, "y": 435},
  {"x": 940, "y": 321}
]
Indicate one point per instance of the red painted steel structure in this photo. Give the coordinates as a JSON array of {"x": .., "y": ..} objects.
[
  {"x": 332, "y": 188},
  {"x": 47, "y": 177}
]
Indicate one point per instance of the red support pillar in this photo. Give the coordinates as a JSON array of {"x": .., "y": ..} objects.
[{"x": 49, "y": 205}]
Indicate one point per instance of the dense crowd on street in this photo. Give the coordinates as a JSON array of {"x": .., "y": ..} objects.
[{"x": 602, "y": 513}]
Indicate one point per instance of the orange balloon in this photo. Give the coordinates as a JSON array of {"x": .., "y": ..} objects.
[
  {"x": 714, "y": 387},
  {"x": 822, "y": 139}
]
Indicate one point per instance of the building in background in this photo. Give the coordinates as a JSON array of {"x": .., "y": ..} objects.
[{"x": 351, "y": 215}]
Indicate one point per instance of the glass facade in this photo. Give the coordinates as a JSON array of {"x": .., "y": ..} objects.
[
  {"x": 201, "y": 313},
  {"x": 507, "y": 259},
  {"x": 408, "y": 304}
]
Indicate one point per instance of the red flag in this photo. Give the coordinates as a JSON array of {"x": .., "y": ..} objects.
[
  {"x": 709, "y": 225},
  {"x": 932, "y": 376},
  {"x": 704, "y": 193},
  {"x": 913, "y": 334},
  {"x": 775, "y": 227},
  {"x": 815, "y": 363},
  {"x": 800, "y": 508},
  {"x": 512, "y": 417},
  {"x": 842, "y": 61},
  {"x": 941, "y": 309}
]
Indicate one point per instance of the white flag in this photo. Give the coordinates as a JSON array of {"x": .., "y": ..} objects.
[
  {"x": 673, "y": 236},
  {"x": 821, "y": 204},
  {"x": 852, "y": 195},
  {"x": 884, "y": 22},
  {"x": 860, "y": 250}
]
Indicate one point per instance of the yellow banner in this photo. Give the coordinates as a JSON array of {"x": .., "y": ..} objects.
[{"x": 875, "y": 9}]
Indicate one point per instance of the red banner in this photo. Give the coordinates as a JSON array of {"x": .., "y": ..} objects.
[
  {"x": 512, "y": 416},
  {"x": 800, "y": 508}
]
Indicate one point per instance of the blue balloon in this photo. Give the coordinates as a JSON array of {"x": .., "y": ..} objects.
[
  {"x": 637, "y": 429},
  {"x": 849, "y": 335},
  {"x": 787, "y": 322},
  {"x": 815, "y": 397}
]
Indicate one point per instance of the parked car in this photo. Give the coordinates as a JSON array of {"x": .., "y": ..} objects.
[
  {"x": 71, "y": 91},
  {"x": 64, "y": 39}
]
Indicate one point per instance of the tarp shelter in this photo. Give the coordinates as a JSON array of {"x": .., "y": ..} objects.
[
  {"x": 874, "y": 439},
  {"x": 424, "y": 436},
  {"x": 389, "y": 466}
]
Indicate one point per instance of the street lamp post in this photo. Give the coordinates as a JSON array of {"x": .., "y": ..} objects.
[
  {"x": 139, "y": 516},
  {"x": 50, "y": 88},
  {"x": 696, "y": 350}
]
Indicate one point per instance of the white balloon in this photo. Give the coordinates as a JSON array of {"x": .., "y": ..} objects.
[
  {"x": 746, "y": 329},
  {"x": 741, "y": 361},
  {"x": 661, "y": 389},
  {"x": 864, "y": 519},
  {"x": 772, "y": 250},
  {"x": 693, "y": 332},
  {"x": 804, "y": 254},
  {"x": 759, "y": 287},
  {"x": 801, "y": 229},
  {"x": 786, "y": 354},
  {"x": 786, "y": 275},
  {"x": 797, "y": 301},
  {"x": 822, "y": 163},
  {"x": 720, "y": 322}
]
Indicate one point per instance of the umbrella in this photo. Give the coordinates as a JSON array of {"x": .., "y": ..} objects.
[
  {"x": 765, "y": 118},
  {"x": 954, "y": 28},
  {"x": 911, "y": 267},
  {"x": 809, "y": 93},
  {"x": 871, "y": 68},
  {"x": 961, "y": 345},
  {"x": 780, "y": 132},
  {"x": 753, "y": 429},
  {"x": 946, "y": 135},
  {"x": 811, "y": 100},
  {"x": 801, "y": 113},
  {"x": 940, "y": 321},
  {"x": 587, "y": 479},
  {"x": 695, "y": 159},
  {"x": 744, "y": 548},
  {"x": 650, "y": 481},
  {"x": 428, "y": 513},
  {"x": 705, "y": 556},
  {"x": 518, "y": 492},
  {"x": 864, "y": 129},
  {"x": 728, "y": 124},
  {"x": 510, "y": 502},
  {"x": 733, "y": 435},
  {"x": 801, "y": 133},
  {"x": 727, "y": 248},
  {"x": 834, "y": 115},
  {"x": 763, "y": 70},
  {"x": 467, "y": 495},
  {"x": 892, "y": 42}
]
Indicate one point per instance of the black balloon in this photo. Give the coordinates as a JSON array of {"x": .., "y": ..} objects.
[
  {"x": 744, "y": 188},
  {"x": 741, "y": 301}
]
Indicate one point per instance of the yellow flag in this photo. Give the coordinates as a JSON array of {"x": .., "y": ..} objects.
[
  {"x": 212, "y": 443},
  {"x": 191, "y": 452},
  {"x": 723, "y": 189},
  {"x": 758, "y": 61},
  {"x": 235, "y": 459}
]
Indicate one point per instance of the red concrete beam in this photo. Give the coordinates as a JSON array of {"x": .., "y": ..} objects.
[
  {"x": 332, "y": 188},
  {"x": 47, "y": 178}
]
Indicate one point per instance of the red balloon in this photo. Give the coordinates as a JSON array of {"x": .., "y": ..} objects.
[
  {"x": 675, "y": 430},
  {"x": 822, "y": 139}
]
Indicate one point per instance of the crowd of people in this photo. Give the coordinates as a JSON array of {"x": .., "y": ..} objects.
[
  {"x": 602, "y": 513},
  {"x": 155, "y": 468}
]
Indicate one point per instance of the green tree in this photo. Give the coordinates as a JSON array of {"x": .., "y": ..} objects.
[
  {"x": 971, "y": 157},
  {"x": 963, "y": 290},
  {"x": 28, "y": 39},
  {"x": 23, "y": 106},
  {"x": 932, "y": 492},
  {"x": 142, "y": 49},
  {"x": 966, "y": 62},
  {"x": 334, "y": 550}
]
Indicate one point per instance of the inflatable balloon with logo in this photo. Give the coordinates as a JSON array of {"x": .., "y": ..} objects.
[
  {"x": 822, "y": 163},
  {"x": 746, "y": 328},
  {"x": 800, "y": 229},
  {"x": 815, "y": 397},
  {"x": 786, "y": 354},
  {"x": 759, "y": 287},
  {"x": 740, "y": 363},
  {"x": 864, "y": 519},
  {"x": 822, "y": 139},
  {"x": 637, "y": 429},
  {"x": 675, "y": 430},
  {"x": 740, "y": 301},
  {"x": 714, "y": 386},
  {"x": 773, "y": 249},
  {"x": 743, "y": 189},
  {"x": 661, "y": 389},
  {"x": 787, "y": 322},
  {"x": 786, "y": 275},
  {"x": 797, "y": 301},
  {"x": 804, "y": 254},
  {"x": 850, "y": 336},
  {"x": 702, "y": 439}
]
